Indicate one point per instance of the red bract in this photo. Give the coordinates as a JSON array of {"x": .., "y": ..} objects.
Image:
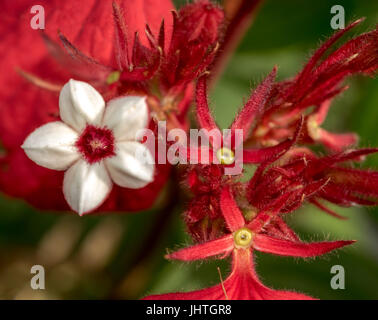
[
  {"x": 243, "y": 239},
  {"x": 193, "y": 45},
  {"x": 316, "y": 85},
  {"x": 313, "y": 179},
  {"x": 203, "y": 217}
]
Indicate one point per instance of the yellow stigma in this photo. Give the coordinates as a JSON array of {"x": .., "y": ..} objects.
[
  {"x": 225, "y": 156},
  {"x": 243, "y": 238}
]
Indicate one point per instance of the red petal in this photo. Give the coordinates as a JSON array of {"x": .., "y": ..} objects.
[
  {"x": 269, "y": 213},
  {"x": 364, "y": 182},
  {"x": 325, "y": 46},
  {"x": 281, "y": 247},
  {"x": 351, "y": 155},
  {"x": 323, "y": 91},
  {"x": 204, "y": 115},
  {"x": 321, "y": 113},
  {"x": 231, "y": 213},
  {"x": 286, "y": 230},
  {"x": 241, "y": 284},
  {"x": 327, "y": 210},
  {"x": 271, "y": 294},
  {"x": 212, "y": 293},
  {"x": 253, "y": 183},
  {"x": 358, "y": 55},
  {"x": 254, "y": 105},
  {"x": 343, "y": 196},
  {"x": 265, "y": 154},
  {"x": 244, "y": 283},
  {"x": 355, "y": 155},
  {"x": 205, "y": 250},
  {"x": 337, "y": 141}
]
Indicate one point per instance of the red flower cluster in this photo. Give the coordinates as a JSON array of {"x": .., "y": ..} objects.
[
  {"x": 160, "y": 53},
  {"x": 316, "y": 85},
  {"x": 287, "y": 176},
  {"x": 314, "y": 179}
]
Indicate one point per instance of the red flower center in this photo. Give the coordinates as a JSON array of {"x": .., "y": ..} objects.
[{"x": 96, "y": 143}]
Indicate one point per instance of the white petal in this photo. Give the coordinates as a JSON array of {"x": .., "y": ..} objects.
[
  {"x": 52, "y": 146},
  {"x": 86, "y": 186},
  {"x": 126, "y": 116},
  {"x": 132, "y": 166},
  {"x": 79, "y": 104}
]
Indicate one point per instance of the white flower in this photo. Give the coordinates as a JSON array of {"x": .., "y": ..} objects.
[{"x": 96, "y": 145}]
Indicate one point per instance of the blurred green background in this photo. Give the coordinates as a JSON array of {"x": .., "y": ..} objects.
[{"x": 121, "y": 256}]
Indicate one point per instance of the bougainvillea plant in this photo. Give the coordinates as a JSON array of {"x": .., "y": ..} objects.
[{"x": 102, "y": 74}]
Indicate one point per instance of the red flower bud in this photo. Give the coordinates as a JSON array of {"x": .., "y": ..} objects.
[{"x": 194, "y": 38}]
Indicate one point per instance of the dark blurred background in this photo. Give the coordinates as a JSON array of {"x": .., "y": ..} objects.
[{"x": 121, "y": 256}]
